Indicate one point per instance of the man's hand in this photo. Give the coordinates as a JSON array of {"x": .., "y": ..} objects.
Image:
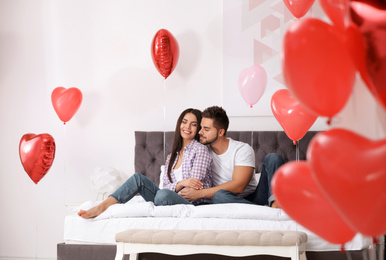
[{"x": 190, "y": 194}]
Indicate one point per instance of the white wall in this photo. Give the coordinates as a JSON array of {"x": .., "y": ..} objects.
[{"x": 103, "y": 48}]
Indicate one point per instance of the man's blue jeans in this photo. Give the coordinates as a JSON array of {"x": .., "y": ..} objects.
[
  {"x": 139, "y": 183},
  {"x": 263, "y": 194}
]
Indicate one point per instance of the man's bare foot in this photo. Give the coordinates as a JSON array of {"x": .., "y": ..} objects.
[
  {"x": 275, "y": 205},
  {"x": 97, "y": 210}
]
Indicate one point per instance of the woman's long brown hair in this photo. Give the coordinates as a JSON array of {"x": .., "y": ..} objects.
[{"x": 177, "y": 142}]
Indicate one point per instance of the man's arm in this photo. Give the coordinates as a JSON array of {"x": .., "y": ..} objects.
[{"x": 240, "y": 179}]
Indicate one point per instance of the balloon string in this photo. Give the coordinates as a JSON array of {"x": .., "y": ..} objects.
[
  {"x": 348, "y": 254},
  {"x": 297, "y": 151},
  {"x": 381, "y": 246},
  {"x": 65, "y": 155},
  {"x": 379, "y": 123},
  {"x": 36, "y": 222},
  {"x": 251, "y": 128},
  {"x": 371, "y": 250},
  {"x": 164, "y": 120},
  {"x": 364, "y": 255}
]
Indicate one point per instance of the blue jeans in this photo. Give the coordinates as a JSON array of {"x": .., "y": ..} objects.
[
  {"x": 263, "y": 194},
  {"x": 139, "y": 183}
]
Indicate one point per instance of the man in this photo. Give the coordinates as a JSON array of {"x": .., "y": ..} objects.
[{"x": 233, "y": 166}]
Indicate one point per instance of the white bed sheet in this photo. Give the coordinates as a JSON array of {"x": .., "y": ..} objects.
[{"x": 137, "y": 214}]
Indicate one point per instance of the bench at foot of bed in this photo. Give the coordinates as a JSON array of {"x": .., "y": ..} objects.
[{"x": 231, "y": 243}]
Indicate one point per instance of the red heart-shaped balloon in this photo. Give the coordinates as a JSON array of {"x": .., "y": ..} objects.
[
  {"x": 37, "y": 153},
  {"x": 291, "y": 115},
  {"x": 351, "y": 171},
  {"x": 66, "y": 102},
  {"x": 298, "y": 8},
  {"x": 370, "y": 16},
  {"x": 355, "y": 44},
  {"x": 324, "y": 87},
  {"x": 298, "y": 195},
  {"x": 337, "y": 11},
  {"x": 165, "y": 52}
]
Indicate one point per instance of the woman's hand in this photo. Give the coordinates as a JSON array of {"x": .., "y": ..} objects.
[{"x": 191, "y": 183}]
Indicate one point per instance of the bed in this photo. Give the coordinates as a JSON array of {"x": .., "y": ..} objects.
[{"x": 94, "y": 239}]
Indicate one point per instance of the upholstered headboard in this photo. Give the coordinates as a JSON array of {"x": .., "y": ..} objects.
[{"x": 149, "y": 148}]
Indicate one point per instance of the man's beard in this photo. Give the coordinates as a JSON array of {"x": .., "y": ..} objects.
[{"x": 209, "y": 142}]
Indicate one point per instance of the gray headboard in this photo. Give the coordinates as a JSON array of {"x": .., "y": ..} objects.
[{"x": 149, "y": 148}]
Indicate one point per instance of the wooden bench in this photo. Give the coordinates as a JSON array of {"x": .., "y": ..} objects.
[{"x": 236, "y": 243}]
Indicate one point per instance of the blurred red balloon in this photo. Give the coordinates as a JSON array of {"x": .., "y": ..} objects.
[
  {"x": 337, "y": 11},
  {"x": 299, "y": 7},
  {"x": 316, "y": 66},
  {"x": 370, "y": 16},
  {"x": 164, "y": 52},
  {"x": 355, "y": 45},
  {"x": 37, "y": 153},
  {"x": 291, "y": 115},
  {"x": 66, "y": 102},
  {"x": 252, "y": 84},
  {"x": 299, "y": 196},
  {"x": 350, "y": 170}
]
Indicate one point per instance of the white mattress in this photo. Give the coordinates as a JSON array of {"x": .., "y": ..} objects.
[{"x": 137, "y": 214}]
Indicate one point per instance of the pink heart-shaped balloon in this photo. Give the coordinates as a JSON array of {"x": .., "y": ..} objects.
[
  {"x": 66, "y": 102},
  {"x": 298, "y": 195},
  {"x": 291, "y": 115},
  {"x": 37, "y": 153},
  {"x": 351, "y": 171}
]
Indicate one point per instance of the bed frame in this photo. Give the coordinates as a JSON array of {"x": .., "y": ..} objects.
[
  {"x": 149, "y": 148},
  {"x": 150, "y": 155}
]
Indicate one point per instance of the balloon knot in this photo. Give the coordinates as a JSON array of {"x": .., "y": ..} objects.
[
  {"x": 342, "y": 249},
  {"x": 295, "y": 142},
  {"x": 251, "y": 106},
  {"x": 329, "y": 121},
  {"x": 64, "y": 123},
  {"x": 375, "y": 241}
]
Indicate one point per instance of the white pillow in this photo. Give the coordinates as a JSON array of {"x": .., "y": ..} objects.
[{"x": 161, "y": 177}]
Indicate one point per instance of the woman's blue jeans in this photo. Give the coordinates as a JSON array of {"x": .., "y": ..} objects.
[
  {"x": 263, "y": 194},
  {"x": 139, "y": 183}
]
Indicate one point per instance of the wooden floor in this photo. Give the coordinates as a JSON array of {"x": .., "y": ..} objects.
[{"x": 107, "y": 252}]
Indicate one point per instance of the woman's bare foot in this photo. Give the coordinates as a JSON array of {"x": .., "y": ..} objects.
[
  {"x": 91, "y": 213},
  {"x": 97, "y": 210}
]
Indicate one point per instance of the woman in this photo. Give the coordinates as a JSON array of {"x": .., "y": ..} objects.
[{"x": 188, "y": 165}]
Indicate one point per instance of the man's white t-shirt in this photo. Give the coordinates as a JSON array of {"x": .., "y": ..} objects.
[{"x": 238, "y": 154}]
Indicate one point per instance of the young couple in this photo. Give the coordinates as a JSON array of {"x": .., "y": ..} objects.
[{"x": 203, "y": 167}]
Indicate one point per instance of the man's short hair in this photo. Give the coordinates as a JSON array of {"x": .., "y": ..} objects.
[{"x": 219, "y": 116}]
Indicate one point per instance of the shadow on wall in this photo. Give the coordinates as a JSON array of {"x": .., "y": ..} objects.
[
  {"x": 213, "y": 27},
  {"x": 132, "y": 90},
  {"x": 10, "y": 53},
  {"x": 91, "y": 105},
  {"x": 190, "y": 53}
]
